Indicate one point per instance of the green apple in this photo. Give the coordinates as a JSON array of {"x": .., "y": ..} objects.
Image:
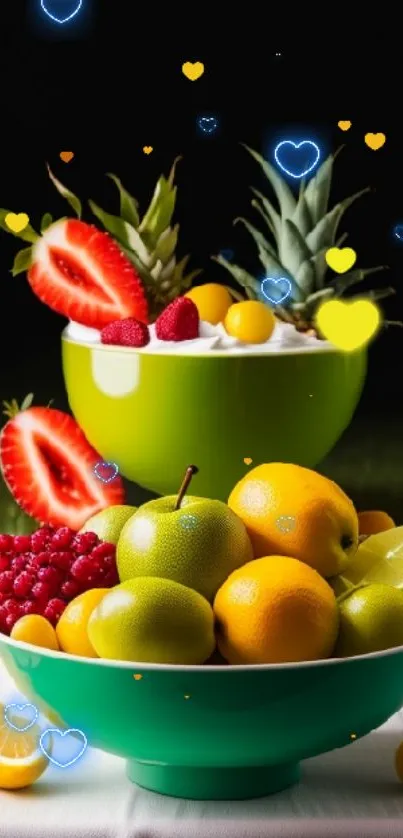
[
  {"x": 109, "y": 522},
  {"x": 194, "y": 541},
  {"x": 155, "y": 621}
]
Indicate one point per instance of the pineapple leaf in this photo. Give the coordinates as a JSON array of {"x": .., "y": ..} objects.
[
  {"x": 28, "y": 234},
  {"x": 46, "y": 221},
  {"x": 72, "y": 199},
  {"x": 317, "y": 191},
  {"x": 257, "y": 236},
  {"x": 242, "y": 277},
  {"x": 235, "y": 294},
  {"x": 166, "y": 244},
  {"x": 266, "y": 219},
  {"x": 171, "y": 176},
  {"x": 22, "y": 261},
  {"x": 128, "y": 204},
  {"x": 379, "y": 294},
  {"x": 272, "y": 214},
  {"x": 159, "y": 214},
  {"x": 305, "y": 277},
  {"x": 324, "y": 233},
  {"x": 125, "y": 234},
  {"x": 342, "y": 283},
  {"x": 27, "y": 401},
  {"x": 302, "y": 217},
  {"x": 282, "y": 191},
  {"x": 309, "y": 306},
  {"x": 293, "y": 250}
]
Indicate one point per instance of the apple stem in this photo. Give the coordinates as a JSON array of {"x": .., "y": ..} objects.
[{"x": 190, "y": 471}]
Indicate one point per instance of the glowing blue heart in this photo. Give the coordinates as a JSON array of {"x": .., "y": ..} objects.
[
  {"x": 53, "y": 9},
  {"x": 297, "y": 159},
  {"x": 19, "y": 708},
  {"x": 398, "y": 231},
  {"x": 270, "y": 283},
  {"x": 106, "y": 471},
  {"x": 207, "y": 124},
  {"x": 69, "y": 759}
]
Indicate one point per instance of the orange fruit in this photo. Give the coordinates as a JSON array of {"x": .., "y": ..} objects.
[
  {"x": 374, "y": 521},
  {"x": 36, "y": 630},
  {"x": 275, "y": 610},
  {"x": 21, "y": 759},
  {"x": 71, "y": 629},
  {"x": 250, "y": 321},
  {"x": 212, "y": 301},
  {"x": 293, "y": 511}
]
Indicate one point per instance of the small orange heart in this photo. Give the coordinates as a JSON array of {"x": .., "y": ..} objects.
[
  {"x": 137, "y": 677},
  {"x": 66, "y": 156},
  {"x": 147, "y": 149},
  {"x": 247, "y": 460},
  {"x": 344, "y": 124},
  {"x": 375, "y": 141}
]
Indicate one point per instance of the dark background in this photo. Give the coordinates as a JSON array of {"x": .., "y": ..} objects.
[{"x": 106, "y": 88}]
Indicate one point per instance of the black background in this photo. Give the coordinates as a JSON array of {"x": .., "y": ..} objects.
[{"x": 114, "y": 84}]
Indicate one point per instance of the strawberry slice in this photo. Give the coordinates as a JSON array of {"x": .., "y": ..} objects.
[
  {"x": 82, "y": 273},
  {"x": 48, "y": 466}
]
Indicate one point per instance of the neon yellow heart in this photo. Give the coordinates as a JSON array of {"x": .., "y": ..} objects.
[
  {"x": 193, "y": 71},
  {"x": 340, "y": 259},
  {"x": 348, "y": 325},
  {"x": 17, "y": 223}
]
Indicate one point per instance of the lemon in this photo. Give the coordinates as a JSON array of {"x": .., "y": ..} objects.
[
  {"x": 153, "y": 620},
  {"x": 71, "y": 629},
  {"x": 21, "y": 759},
  {"x": 250, "y": 321},
  {"x": 36, "y": 630},
  {"x": 371, "y": 619},
  {"x": 212, "y": 302},
  {"x": 108, "y": 523}
]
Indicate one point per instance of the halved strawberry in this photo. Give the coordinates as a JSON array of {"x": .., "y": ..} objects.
[
  {"x": 82, "y": 273},
  {"x": 48, "y": 466}
]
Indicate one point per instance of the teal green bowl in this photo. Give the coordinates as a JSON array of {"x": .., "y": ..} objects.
[
  {"x": 211, "y": 732},
  {"x": 153, "y": 414}
]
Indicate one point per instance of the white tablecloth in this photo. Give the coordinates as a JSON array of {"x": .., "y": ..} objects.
[{"x": 352, "y": 792}]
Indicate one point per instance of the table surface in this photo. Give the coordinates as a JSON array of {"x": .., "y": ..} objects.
[{"x": 353, "y": 790}]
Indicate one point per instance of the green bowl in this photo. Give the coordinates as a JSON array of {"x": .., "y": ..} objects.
[
  {"x": 210, "y": 732},
  {"x": 153, "y": 414}
]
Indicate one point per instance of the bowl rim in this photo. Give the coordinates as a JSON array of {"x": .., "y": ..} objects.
[
  {"x": 300, "y": 351},
  {"x": 170, "y": 667}
]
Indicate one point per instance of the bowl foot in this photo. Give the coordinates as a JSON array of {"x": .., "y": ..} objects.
[{"x": 212, "y": 783}]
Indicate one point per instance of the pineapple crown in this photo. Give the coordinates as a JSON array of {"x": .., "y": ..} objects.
[
  {"x": 298, "y": 233},
  {"x": 149, "y": 242}
]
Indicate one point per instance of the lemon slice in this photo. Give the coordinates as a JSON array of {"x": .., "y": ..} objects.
[{"x": 21, "y": 759}]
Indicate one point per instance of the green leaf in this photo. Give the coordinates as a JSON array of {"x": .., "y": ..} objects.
[
  {"x": 166, "y": 244},
  {"x": 128, "y": 204},
  {"x": 125, "y": 234},
  {"x": 242, "y": 277},
  {"x": 22, "y": 261},
  {"x": 305, "y": 277},
  {"x": 302, "y": 217},
  {"x": 171, "y": 176},
  {"x": 256, "y": 205},
  {"x": 324, "y": 233},
  {"x": 317, "y": 191},
  {"x": 271, "y": 213},
  {"x": 159, "y": 214},
  {"x": 27, "y": 401},
  {"x": 28, "y": 234},
  {"x": 257, "y": 236},
  {"x": 283, "y": 192},
  {"x": 72, "y": 199},
  {"x": 340, "y": 284},
  {"x": 293, "y": 250},
  {"x": 47, "y": 220}
]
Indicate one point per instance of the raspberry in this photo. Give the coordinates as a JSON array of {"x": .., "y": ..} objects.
[
  {"x": 6, "y": 581},
  {"x": 6, "y": 543},
  {"x": 128, "y": 332},
  {"x": 62, "y": 538},
  {"x": 54, "y": 610},
  {"x": 23, "y": 583},
  {"x": 84, "y": 542},
  {"x": 22, "y": 543},
  {"x": 179, "y": 321},
  {"x": 4, "y": 562},
  {"x": 55, "y": 567}
]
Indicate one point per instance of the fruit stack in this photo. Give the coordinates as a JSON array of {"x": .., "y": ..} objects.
[{"x": 286, "y": 571}]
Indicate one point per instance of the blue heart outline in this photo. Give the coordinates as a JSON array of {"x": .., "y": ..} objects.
[
  {"x": 398, "y": 229},
  {"x": 62, "y": 733},
  {"x": 107, "y": 464},
  {"x": 297, "y": 146},
  {"x": 20, "y": 707},
  {"x": 207, "y": 119},
  {"x": 270, "y": 279},
  {"x": 66, "y": 19}
]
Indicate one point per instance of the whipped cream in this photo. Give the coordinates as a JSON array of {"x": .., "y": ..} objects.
[{"x": 285, "y": 337}]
